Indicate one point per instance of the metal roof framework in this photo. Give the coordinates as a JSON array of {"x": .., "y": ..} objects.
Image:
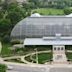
[{"x": 38, "y": 27}]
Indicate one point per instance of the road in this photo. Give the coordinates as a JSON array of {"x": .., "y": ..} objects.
[
  {"x": 26, "y": 69},
  {"x": 16, "y": 67}
]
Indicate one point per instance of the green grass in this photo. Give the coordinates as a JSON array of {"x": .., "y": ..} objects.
[
  {"x": 69, "y": 56},
  {"x": 49, "y": 11},
  {"x": 6, "y": 51},
  {"x": 42, "y": 58},
  {"x": 3, "y": 68}
]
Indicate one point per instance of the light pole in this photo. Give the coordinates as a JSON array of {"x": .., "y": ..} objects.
[{"x": 36, "y": 55}]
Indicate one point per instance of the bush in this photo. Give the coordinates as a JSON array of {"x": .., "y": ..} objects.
[
  {"x": 6, "y": 39},
  {"x": 67, "y": 11},
  {"x": 3, "y": 68},
  {"x": 15, "y": 42}
]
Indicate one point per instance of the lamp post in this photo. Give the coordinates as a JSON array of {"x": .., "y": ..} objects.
[{"x": 36, "y": 55}]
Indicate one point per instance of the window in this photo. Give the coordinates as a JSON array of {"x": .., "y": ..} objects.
[
  {"x": 54, "y": 48},
  {"x": 58, "y": 48},
  {"x": 61, "y": 48}
]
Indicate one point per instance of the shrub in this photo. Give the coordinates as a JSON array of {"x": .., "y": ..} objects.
[
  {"x": 15, "y": 42},
  {"x": 3, "y": 68}
]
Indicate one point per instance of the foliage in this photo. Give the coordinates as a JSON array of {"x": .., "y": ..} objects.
[
  {"x": 52, "y": 3},
  {"x": 10, "y": 15},
  {"x": 4, "y": 29},
  {"x": 42, "y": 57},
  {"x": 67, "y": 11},
  {"x": 3, "y": 68},
  {"x": 15, "y": 42},
  {"x": 48, "y": 11},
  {"x": 6, "y": 51},
  {"x": 69, "y": 56}
]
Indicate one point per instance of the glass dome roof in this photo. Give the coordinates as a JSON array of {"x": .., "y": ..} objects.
[{"x": 37, "y": 27}]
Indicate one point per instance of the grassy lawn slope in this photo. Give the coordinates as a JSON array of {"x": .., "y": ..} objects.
[{"x": 49, "y": 11}]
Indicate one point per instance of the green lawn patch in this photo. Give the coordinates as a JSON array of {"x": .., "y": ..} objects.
[
  {"x": 49, "y": 11},
  {"x": 42, "y": 58},
  {"x": 6, "y": 51},
  {"x": 3, "y": 68},
  {"x": 69, "y": 56}
]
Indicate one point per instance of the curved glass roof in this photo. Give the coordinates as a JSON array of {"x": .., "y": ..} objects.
[{"x": 42, "y": 27}]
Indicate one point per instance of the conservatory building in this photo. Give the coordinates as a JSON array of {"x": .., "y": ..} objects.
[{"x": 44, "y": 30}]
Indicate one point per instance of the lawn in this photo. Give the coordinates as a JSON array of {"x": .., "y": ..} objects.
[
  {"x": 69, "y": 56},
  {"x": 42, "y": 58},
  {"x": 49, "y": 11},
  {"x": 6, "y": 51},
  {"x": 3, "y": 68}
]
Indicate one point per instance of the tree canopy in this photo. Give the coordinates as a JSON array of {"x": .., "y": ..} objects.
[{"x": 11, "y": 14}]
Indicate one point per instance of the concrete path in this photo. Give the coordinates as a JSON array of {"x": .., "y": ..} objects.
[
  {"x": 13, "y": 57},
  {"x": 25, "y": 61},
  {"x": 70, "y": 51},
  {"x": 23, "y": 57}
]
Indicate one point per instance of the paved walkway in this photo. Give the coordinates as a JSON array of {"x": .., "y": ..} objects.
[
  {"x": 12, "y": 57},
  {"x": 70, "y": 51},
  {"x": 27, "y": 62},
  {"x": 23, "y": 57}
]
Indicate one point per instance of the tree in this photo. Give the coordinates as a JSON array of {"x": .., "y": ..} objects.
[
  {"x": 4, "y": 25},
  {"x": 36, "y": 2},
  {"x": 10, "y": 15},
  {"x": 5, "y": 29}
]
